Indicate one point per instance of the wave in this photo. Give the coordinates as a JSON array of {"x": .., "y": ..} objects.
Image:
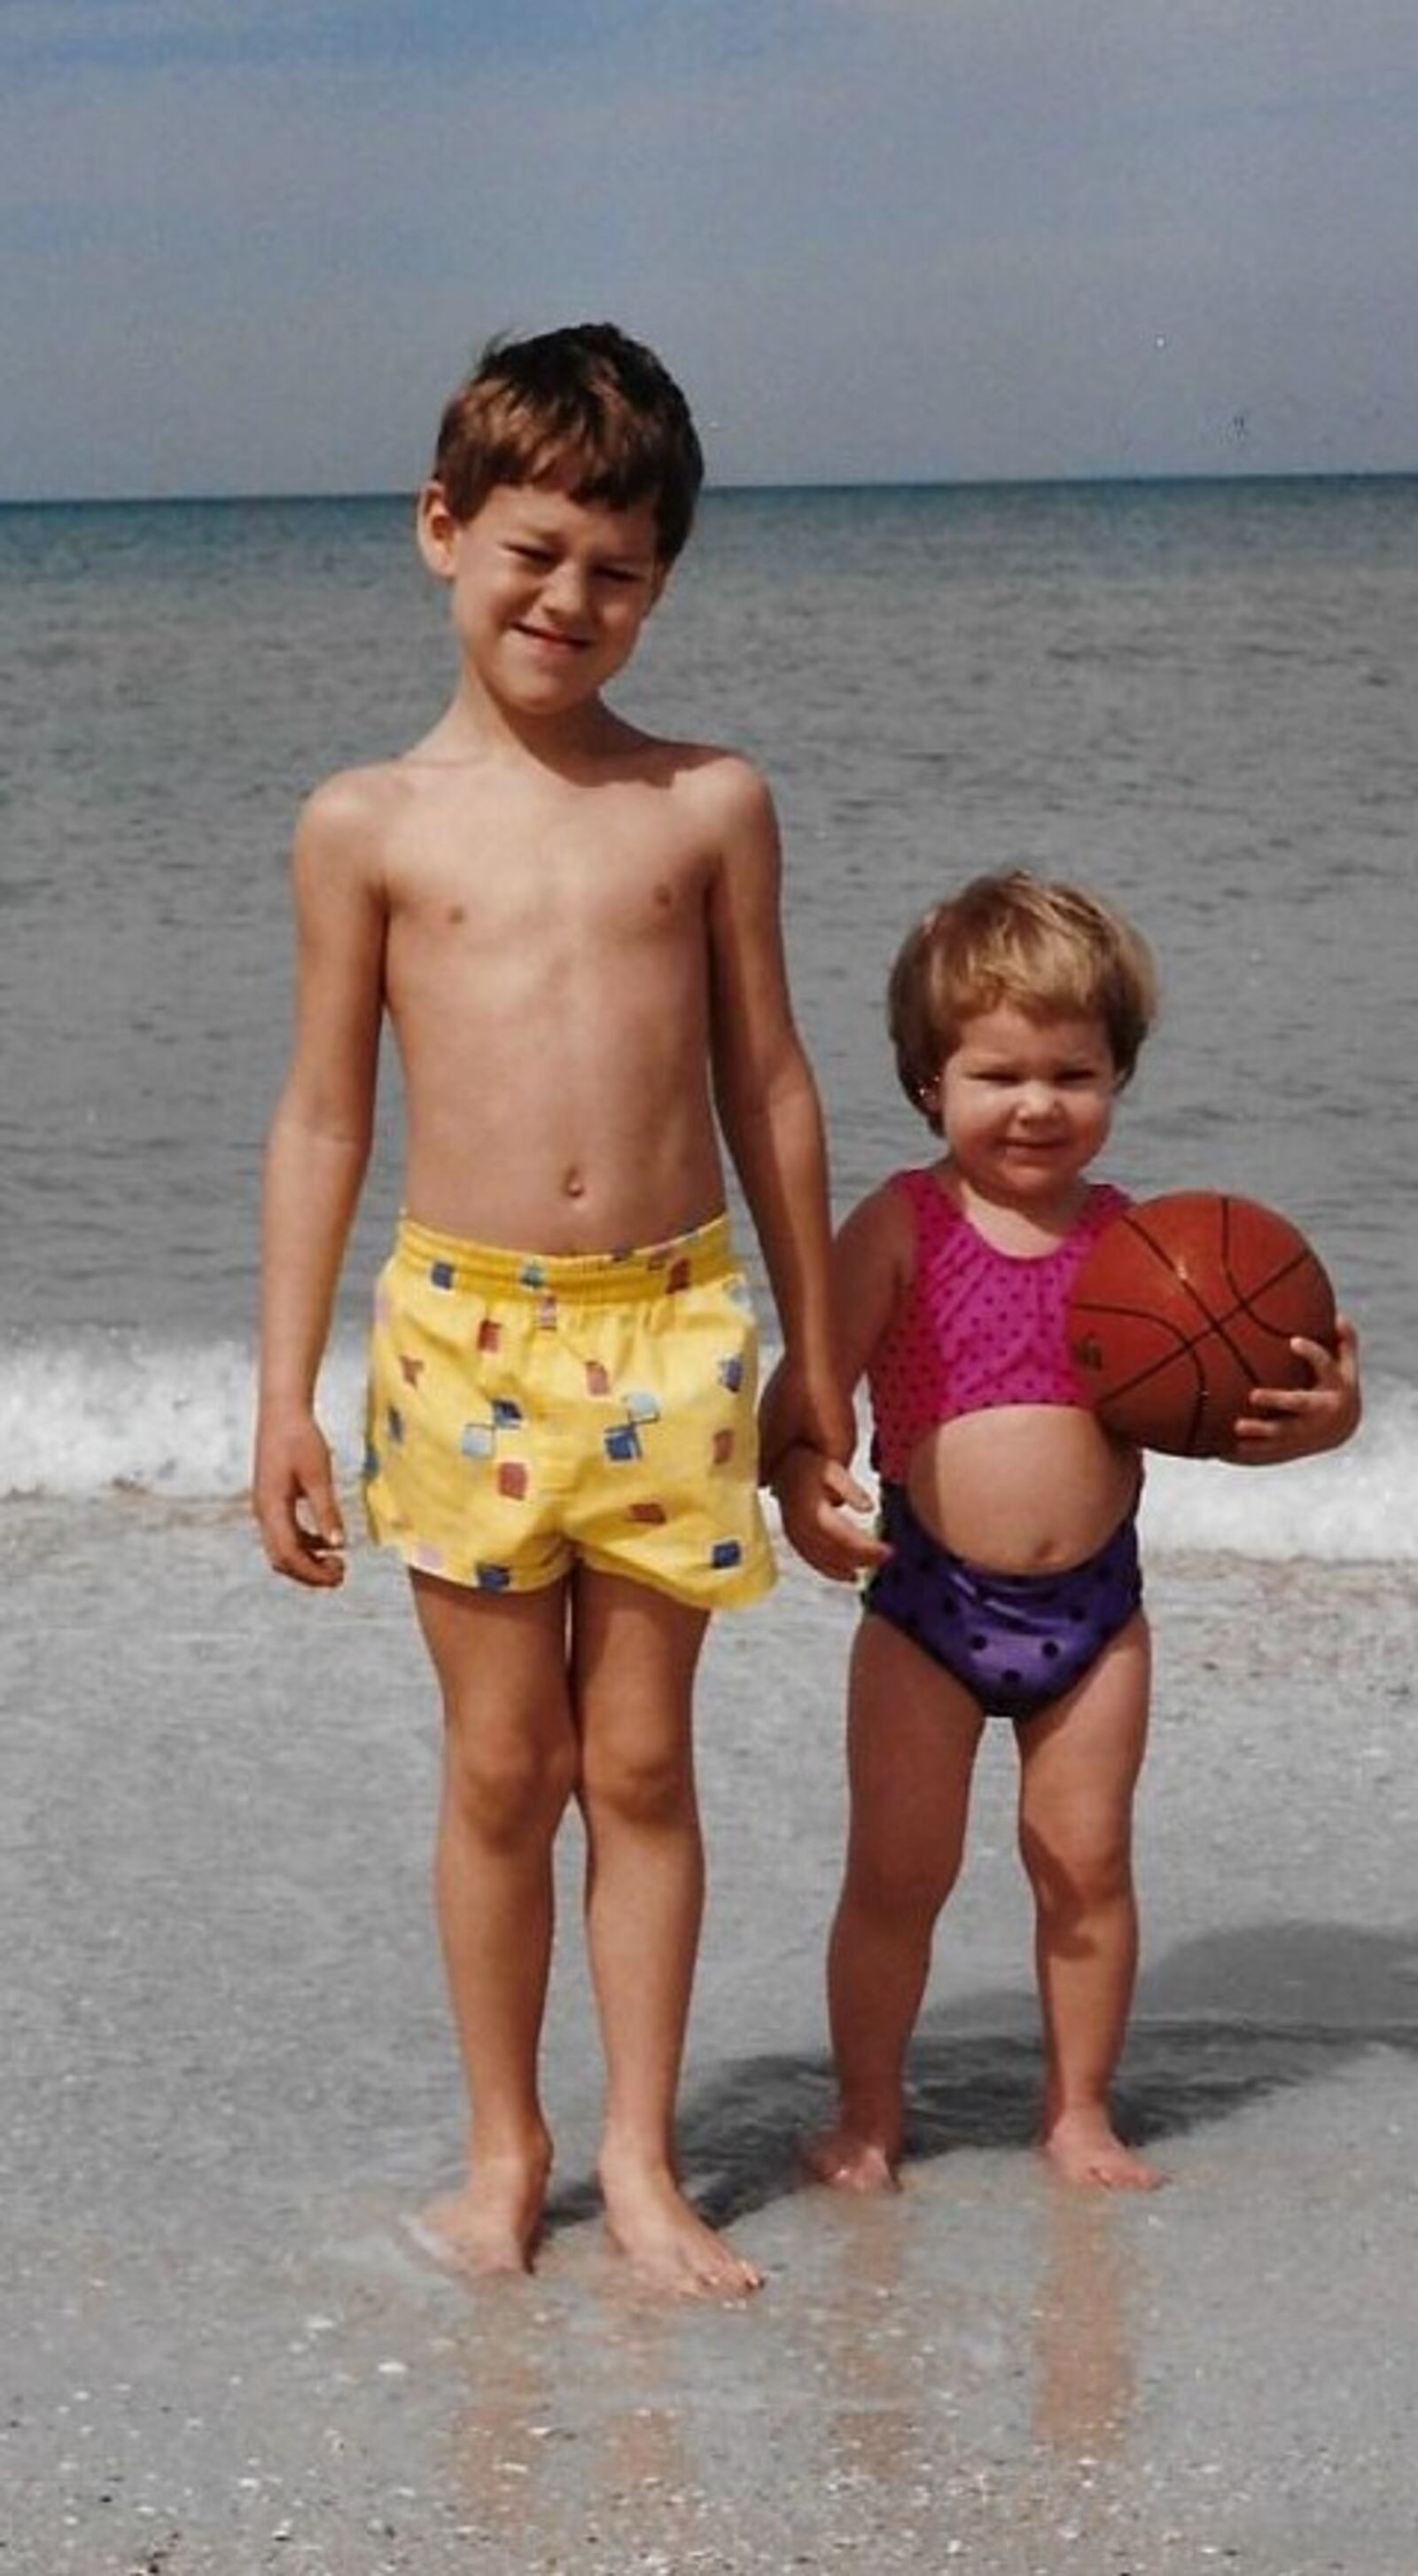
[{"x": 102, "y": 1412}]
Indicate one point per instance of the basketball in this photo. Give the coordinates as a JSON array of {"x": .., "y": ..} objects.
[{"x": 1185, "y": 1304}]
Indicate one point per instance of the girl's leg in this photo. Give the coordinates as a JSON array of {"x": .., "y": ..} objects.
[
  {"x": 1079, "y": 1766},
  {"x": 509, "y": 1769},
  {"x": 634, "y": 1654},
  {"x": 912, "y": 1735}
]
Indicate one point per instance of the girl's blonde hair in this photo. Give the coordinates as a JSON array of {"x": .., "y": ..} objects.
[{"x": 1052, "y": 951}]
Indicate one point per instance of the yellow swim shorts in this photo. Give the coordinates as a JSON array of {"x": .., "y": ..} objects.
[{"x": 530, "y": 1413}]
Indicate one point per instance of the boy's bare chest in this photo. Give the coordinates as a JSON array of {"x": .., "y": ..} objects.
[{"x": 541, "y": 876}]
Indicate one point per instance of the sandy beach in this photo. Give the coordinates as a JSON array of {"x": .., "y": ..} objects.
[{"x": 230, "y": 2076}]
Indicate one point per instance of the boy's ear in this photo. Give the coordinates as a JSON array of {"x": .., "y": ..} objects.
[{"x": 436, "y": 529}]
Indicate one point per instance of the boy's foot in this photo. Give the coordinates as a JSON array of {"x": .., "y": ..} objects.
[
  {"x": 846, "y": 2162},
  {"x": 491, "y": 2225},
  {"x": 666, "y": 2242},
  {"x": 1084, "y": 2147}
]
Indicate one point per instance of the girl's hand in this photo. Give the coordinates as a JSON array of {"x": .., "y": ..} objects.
[
  {"x": 816, "y": 1496},
  {"x": 1300, "y": 1421}
]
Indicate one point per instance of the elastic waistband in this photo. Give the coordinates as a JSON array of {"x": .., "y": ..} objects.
[{"x": 690, "y": 1260}]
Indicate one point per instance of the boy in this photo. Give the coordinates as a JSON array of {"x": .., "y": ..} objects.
[{"x": 575, "y": 930}]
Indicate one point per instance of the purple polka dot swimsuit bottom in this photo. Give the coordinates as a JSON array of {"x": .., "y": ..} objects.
[{"x": 1016, "y": 1641}]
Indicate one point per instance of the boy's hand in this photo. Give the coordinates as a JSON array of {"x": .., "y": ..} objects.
[
  {"x": 797, "y": 1410},
  {"x": 815, "y": 1496},
  {"x": 293, "y": 1497},
  {"x": 1300, "y": 1421}
]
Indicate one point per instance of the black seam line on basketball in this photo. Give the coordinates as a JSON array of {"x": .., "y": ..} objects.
[
  {"x": 1258, "y": 1287},
  {"x": 1243, "y": 1297},
  {"x": 1162, "y": 1255},
  {"x": 1182, "y": 1349},
  {"x": 1135, "y": 1315},
  {"x": 1201, "y": 1394}
]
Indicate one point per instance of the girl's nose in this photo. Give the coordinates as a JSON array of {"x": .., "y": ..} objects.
[{"x": 1037, "y": 1100}]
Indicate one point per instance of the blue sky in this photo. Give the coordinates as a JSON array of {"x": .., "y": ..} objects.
[{"x": 248, "y": 245}]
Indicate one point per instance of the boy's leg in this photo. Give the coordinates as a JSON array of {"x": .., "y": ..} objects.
[
  {"x": 912, "y": 1735},
  {"x": 509, "y": 1769},
  {"x": 634, "y": 1653},
  {"x": 1079, "y": 1766}
]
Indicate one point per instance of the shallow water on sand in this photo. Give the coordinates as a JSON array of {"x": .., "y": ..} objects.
[{"x": 231, "y": 2076}]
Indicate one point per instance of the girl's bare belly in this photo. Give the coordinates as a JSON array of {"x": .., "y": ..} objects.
[{"x": 1023, "y": 1489}]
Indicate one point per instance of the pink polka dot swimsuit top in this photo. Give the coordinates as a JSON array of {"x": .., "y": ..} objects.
[{"x": 979, "y": 1328}]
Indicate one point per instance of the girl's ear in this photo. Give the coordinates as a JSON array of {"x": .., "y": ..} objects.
[{"x": 437, "y": 530}]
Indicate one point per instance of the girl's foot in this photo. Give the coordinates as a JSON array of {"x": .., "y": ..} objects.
[{"x": 846, "y": 2162}]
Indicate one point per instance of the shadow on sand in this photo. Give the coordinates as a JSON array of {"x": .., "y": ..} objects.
[{"x": 1225, "y": 2021}]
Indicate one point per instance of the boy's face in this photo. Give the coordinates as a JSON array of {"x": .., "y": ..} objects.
[
  {"x": 548, "y": 593},
  {"x": 1026, "y": 1104}
]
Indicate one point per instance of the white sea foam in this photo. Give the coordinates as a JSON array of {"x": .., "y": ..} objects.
[
  {"x": 94, "y": 1412},
  {"x": 89, "y": 1413}
]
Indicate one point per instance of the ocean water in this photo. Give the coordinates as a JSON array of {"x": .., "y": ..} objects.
[{"x": 1195, "y": 697}]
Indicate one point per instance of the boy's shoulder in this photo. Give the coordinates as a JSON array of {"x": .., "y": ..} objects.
[
  {"x": 722, "y": 799},
  {"x": 709, "y": 769},
  {"x": 353, "y": 803}
]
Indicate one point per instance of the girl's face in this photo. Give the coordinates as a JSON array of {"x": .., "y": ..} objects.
[{"x": 1025, "y": 1105}]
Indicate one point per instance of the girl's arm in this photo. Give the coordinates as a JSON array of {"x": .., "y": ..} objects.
[{"x": 1300, "y": 1421}]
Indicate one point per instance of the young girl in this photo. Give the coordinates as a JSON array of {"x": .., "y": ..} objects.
[{"x": 1005, "y": 1578}]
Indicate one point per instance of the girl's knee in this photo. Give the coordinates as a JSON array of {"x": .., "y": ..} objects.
[
  {"x": 906, "y": 1886},
  {"x": 1079, "y": 1870}
]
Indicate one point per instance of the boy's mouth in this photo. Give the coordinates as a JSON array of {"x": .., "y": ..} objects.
[{"x": 553, "y": 640}]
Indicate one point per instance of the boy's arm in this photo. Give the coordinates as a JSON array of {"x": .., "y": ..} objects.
[
  {"x": 817, "y": 1496},
  {"x": 1300, "y": 1421},
  {"x": 770, "y": 1113},
  {"x": 315, "y": 1161}
]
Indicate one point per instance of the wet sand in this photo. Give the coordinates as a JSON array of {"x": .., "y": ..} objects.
[{"x": 230, "y": 2075}]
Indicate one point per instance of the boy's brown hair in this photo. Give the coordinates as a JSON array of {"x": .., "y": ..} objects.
[
  {"x": 585, "y": 409},
  {"x": 1052, "y": 951}
]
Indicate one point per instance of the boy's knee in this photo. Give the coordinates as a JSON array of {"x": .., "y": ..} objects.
[
  {"x": 509, "y": 1786},
  {"x": 640, "y": 1786}
]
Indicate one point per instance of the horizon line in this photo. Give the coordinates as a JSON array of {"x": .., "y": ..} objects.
[{"x": 779, "y": 485}]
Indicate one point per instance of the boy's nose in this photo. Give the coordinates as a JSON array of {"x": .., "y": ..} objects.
[{"x": 566, "y": 591}]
